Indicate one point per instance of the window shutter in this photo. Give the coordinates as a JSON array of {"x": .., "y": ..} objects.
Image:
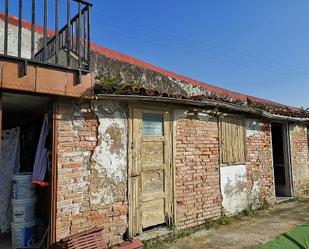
[{"x": 232, "y": 139}]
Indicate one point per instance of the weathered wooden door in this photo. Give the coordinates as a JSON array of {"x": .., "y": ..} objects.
[{"x": 150, "y": 174}]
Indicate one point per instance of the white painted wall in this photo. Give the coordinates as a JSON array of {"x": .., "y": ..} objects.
[{"x": 233, "y": 188}]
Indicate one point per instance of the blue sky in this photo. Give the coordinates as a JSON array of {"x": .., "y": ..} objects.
[{"x": 257, "y": 47}]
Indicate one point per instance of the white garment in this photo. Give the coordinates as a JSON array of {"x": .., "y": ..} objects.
[{"x": 9, "y": 164}]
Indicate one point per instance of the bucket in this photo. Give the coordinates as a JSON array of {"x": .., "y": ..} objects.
[
  {"x": 23, "y": 210},
  {"x": 23, "y": 234},
  {"x": 22, "y": 186}
]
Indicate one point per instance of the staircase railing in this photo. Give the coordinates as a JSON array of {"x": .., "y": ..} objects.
[
  {"x": 73, "y": 39},
  {"x": 67, "y": 47}
]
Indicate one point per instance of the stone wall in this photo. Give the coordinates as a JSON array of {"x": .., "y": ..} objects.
[
  {"x": 198, "y": 195},
  {"x": 299, "y": 156},
  {"x": 91, "y": 169}
]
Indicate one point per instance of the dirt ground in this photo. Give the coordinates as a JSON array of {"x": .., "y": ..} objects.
[{"x": 248, "y": 232}]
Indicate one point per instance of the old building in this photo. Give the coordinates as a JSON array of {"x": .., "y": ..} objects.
[{"x": 134, "y": 147}]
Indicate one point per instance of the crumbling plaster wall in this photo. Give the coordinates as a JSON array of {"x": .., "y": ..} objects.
[
  {"x": 92, "y": 180},
  {"x": 299, "y": 156},
  {"x": 250, "y": 185}
]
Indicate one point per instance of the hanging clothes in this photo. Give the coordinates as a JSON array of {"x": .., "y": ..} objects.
[
  {"x": 41, "y": 156},
  {"x": 9, "y": 165}
]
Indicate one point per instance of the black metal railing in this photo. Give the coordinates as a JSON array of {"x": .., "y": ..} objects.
[{"x": 68, "y": 46}]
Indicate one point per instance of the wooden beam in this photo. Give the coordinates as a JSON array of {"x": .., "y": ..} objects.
[{"x": 54, "y": 177}]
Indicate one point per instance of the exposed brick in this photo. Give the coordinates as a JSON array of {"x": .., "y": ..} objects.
[
  {"x": 299, "y": 155},
  {"x": 197, "y": 172},
  {"x": 77, "y": 138}
]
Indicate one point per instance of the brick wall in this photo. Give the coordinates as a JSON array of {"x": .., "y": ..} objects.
[
  {"x": 260, "y": 183},
  {"x": 299, "y": 156},
  {"x": 197, "y": 172},
  {"x": 77, "y": 130}
]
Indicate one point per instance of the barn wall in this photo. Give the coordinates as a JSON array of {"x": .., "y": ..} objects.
[
  {"x": 198, "y": 195},
  {"x": 299, "y": 158},
  {"x": 250, "y": 185},
  {"x": 92, "y": 169},
  {"x": 92, "y": 179}
]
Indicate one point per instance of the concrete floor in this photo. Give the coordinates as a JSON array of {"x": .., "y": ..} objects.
[{"x": 248, "y": 232}]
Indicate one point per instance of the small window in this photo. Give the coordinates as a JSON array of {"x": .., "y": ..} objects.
[
  {"x": 152, "y": 124},
  {"x": 233, "y": 140}
]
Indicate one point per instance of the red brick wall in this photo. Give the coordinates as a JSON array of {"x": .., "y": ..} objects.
[
  {"x": 77, "y": 137},
  {"x": 259, "y": 162},
  {"x": 299, "y": 156},
  {"x": 198, "y": 195}
]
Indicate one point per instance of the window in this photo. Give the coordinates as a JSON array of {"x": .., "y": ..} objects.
[
  {"x": 232, "y": 139},
  {"x": 152, "y": 124}
]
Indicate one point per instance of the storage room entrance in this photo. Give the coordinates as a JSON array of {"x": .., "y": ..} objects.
[
  {"x": 25, "y": 170},
  {"x": 281, "y": 160}
]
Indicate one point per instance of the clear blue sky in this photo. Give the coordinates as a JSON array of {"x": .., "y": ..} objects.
[{"x": 257, "y": 47}]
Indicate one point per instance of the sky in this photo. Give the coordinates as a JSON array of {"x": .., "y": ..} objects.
[{"x": 257, "y": 47}]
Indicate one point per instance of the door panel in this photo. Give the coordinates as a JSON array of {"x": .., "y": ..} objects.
[{"x": 151, "y": 168}]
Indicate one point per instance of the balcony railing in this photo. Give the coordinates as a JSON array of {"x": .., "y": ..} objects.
[{"x": 67, "y": 47}]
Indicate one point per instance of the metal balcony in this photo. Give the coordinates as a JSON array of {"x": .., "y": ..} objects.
[{"x": 67, "y": 47}]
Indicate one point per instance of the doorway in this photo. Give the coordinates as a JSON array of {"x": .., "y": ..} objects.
[
  {"x": 23, "y": 119},
  {"x": 281, "y": 160},
  {"x": 150, "y": 170}
]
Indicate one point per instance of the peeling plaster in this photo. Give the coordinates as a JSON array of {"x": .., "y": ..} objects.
[
  {"x": 109, "y": 159},
  {"x": 254, "y": 196},
  {"x": 253, "y": 127}
]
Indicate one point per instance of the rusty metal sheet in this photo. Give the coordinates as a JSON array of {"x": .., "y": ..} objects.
[
  {"x": 11, "y": 79},
  {"x": 83, "y": 89},
  {"x": 51, "y": 81},
  {"x": 90, "y": 239}
]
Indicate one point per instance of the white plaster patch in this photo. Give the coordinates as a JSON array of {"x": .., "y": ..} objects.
[
  {"x": 103, "y": 195},
  {"x": 76, "y": 208},
  {"x": 255, "y": 195},
  {"x": 233, "y": 188},
  {"x": 253, "y": 127},
  {"x": 110, "y": 156}
]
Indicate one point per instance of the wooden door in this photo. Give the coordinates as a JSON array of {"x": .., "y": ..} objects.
[{"x": 151, "y": 176}]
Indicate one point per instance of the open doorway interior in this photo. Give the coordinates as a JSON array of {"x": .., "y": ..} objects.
[
  {"x": 26, "y": 148},
  {"x": 281, "y": 162}
]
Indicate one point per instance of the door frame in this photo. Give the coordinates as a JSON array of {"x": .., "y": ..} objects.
[
  {"x": 155, "y": 107},
  {"x": 287, "y": 158}
]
